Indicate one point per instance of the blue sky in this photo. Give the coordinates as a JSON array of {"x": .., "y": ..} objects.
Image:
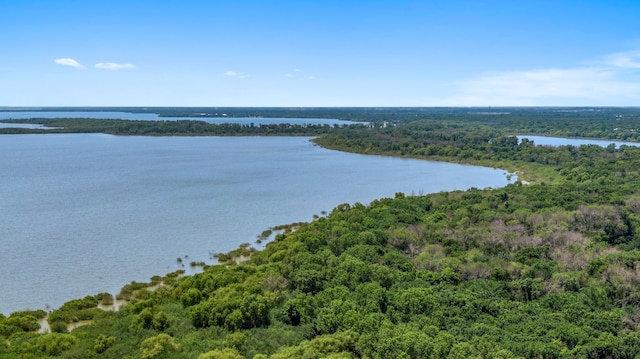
[{"x": 319, "y": 53}]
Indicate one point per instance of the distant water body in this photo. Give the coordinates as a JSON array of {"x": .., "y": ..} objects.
[
  {"x": 88, "y": 213},
  {"x": 5, "y": 115},
  {"x": 560, "y": 141}
]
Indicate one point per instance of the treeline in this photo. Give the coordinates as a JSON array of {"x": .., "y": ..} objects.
[
  {"x": 613, "y": 123},
  {"x": 564, "y": 121},
  {"x": 546, "y": 270},
  {"x": 164, "y": 128},
  {"x": 479, "y": 143},
  {"x": 619, "y": 124}
]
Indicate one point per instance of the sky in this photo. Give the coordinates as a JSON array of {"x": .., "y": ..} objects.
[{"x": 303, "y": 53}]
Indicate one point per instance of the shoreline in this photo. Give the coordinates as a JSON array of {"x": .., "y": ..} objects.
[
  {"x": 114, "y": 302},
  {"x": 95, "y": 283}
]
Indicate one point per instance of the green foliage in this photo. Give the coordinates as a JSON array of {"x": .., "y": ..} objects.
[
  {"x": 74, "y": 311},
  {"x": 226, "y": 353},
  {"x": 165, "y": 128},
  {"x": 51, "y": 344},
  {"x": 22, "y": 321},
  {"x": 58, "y": 326},
  {"x": 338, "y": 345},
  {"x": 160, "y": 322},
  {"x": 158, "y": 346},
  {"x": 191, "y": 297},
  {"x": 103, "y": 343}
]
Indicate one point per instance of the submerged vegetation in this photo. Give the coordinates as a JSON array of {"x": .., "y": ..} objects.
[{"x": 549, "y": 269}]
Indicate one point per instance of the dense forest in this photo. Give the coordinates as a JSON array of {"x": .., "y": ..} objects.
[
  {"x": 162, "y": 128},
  {"x": 547, "y": 267}
]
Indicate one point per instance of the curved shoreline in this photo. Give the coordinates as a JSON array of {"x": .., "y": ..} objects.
[
  {"x": 334, "y": 204},
  {"x": 521, "y": 175}
]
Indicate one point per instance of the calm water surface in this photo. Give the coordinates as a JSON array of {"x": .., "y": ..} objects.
[
  {"x": 87, "y": 213},
  {"x": 559, "y": 141}
]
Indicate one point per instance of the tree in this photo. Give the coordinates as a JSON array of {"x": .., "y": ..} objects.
[
  {"x": 103, "y": 342},
  {"x": 157, "y": 346},
  {"x": 160, "y": 321},
  {"x": 226, "y": 353}
]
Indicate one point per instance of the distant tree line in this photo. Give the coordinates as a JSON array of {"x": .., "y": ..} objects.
[{"x": 165, "y": 128}]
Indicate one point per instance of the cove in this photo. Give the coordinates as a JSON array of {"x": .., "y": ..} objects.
[{"x": 88, "y": 213}]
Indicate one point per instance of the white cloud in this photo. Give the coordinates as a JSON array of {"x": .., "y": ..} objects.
[
  {"x": 615, "y": 82},
  {"x": 630, "y": 59},
  {"x": 235, "y": 74},
  {"x": 296, "y": 74},
  {"x": 113, "y": 66},
  {"x": 69, "y": 62}
]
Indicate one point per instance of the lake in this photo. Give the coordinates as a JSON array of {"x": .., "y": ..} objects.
[
  {"x": 88, "y": 213},
  {"x": 560, "y": 141},
  {"x": 5, "y": 115}
]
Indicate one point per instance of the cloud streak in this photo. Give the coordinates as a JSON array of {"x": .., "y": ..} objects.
[
  {"x": 239, "y": 75},
  {"x": 114, "y": 66},
  {"x": 296, "y": 74},
  {"x": 614, "y": 80},
  {"x": 69, "y": 62},
  {"x": 630, "y": 59}
]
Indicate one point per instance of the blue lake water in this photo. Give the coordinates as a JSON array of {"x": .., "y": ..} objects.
[
  {"x": 88, "y": 213},
  {"x": 559, "y": 141},
  {"x": 20, "y": 125},
  {"x": 5, "y": 115}
]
